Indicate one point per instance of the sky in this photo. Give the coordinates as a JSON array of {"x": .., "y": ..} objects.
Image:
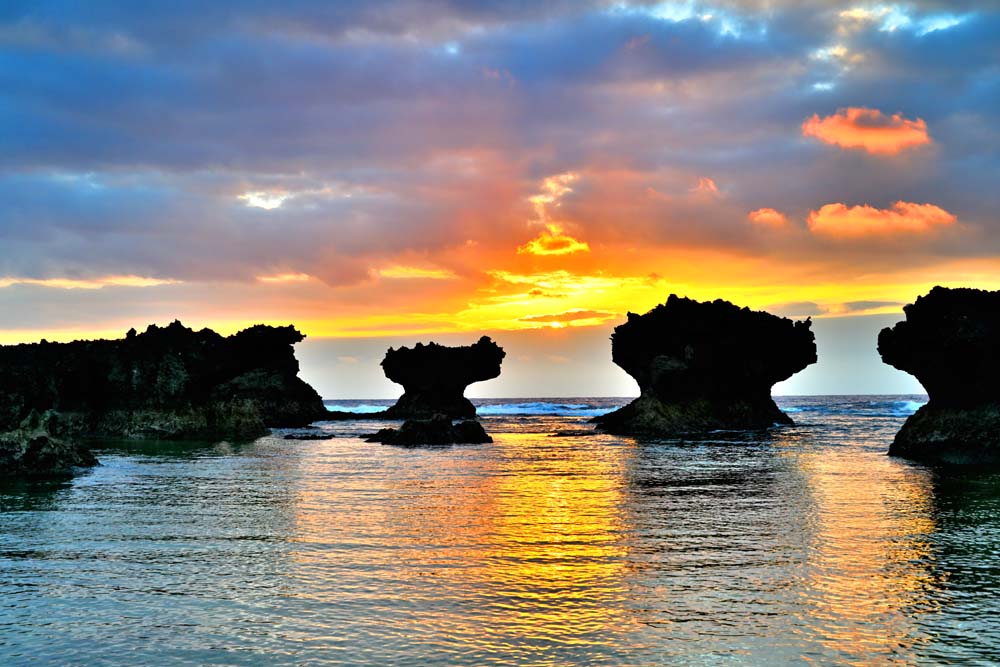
[{"x": 381, "y": 173}]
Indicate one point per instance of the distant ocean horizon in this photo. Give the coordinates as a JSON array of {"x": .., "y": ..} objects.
[{"x": 899, "y": 405}]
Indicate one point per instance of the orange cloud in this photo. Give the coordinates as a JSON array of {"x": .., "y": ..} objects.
[
  {"x": 575, "y": 317},
  {"x": 767, "y": 217},
  {"x": 841, "y": 221},
  {"x": 284, "y": 278},
  {"x": 400, "y": 272},
  {"x": 868, "y": 129},
  {"x": 552, "y": 241},
  {"x": 706, "y": 186}
]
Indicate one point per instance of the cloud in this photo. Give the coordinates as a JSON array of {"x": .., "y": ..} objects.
[
  {"x": 553, "y": 241},
  {"x": 706, "y": 187},
  {"x": 265, "y": 200},
  {"x": 796, "y": 309},
  {"x": 91, "y": 283},
  {"x": 868, "y": 129},
  {"x": 556, "y": 128},
  {"x": 841, "y": 221},
  {"x": 284, "y": 278},
  {"x": 813, "y": 309},
  {"x": 767, "y": 217},
  {"x": 857, "y": 306},
  {"x": 571, "y": 316},
  {"x": 414, "y": 273}
]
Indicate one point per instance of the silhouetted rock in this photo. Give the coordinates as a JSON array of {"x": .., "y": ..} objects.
[
  {"x": 950, "y": 341},
  {"x": 438, "y": 430},
  {"x": 434, "y": 377},
  {"x": 169, "y": 382},
  {"x": 704, "y": 366},
  {"x": 34, "y": 450}
]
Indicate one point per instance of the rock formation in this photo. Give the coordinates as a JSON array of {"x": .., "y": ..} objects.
[
  {"x": 704, "y": 366},
  {"x": 950, "y": 341},
  {"x": 438, "y": 430},
  {"x": 434, "y": 377},
  {"x": 169, "y": 383},
  {"x": 34, "y": 450}
]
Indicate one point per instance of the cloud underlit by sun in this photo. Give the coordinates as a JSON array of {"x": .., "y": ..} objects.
[
  {"x": 767, "y": 217},
  {"x": 842, "y": 221},
  {"x": 869, "y": 130},
  {"x": 553, "y": 241}
]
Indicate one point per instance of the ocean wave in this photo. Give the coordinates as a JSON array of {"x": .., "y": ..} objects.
[
  {"x": 360, "y": 408},
  {"x": 544, "y": 408},
  {"x": 903, "y": 408},
  {"x": 869, "y": 408}
]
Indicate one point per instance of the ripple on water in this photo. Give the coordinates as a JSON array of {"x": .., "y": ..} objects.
[{"x": 804, "y": 546}]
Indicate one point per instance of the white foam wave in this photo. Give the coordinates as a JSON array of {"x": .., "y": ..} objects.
[
  {"x": 361, "y": 409},
  {"x": 543, "y": 408}
]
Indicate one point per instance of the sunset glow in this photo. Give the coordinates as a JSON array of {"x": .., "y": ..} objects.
[{"x": 413, "y": 173}]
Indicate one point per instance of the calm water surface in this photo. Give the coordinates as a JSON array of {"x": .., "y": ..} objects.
[{"x": 803, "y": 546}]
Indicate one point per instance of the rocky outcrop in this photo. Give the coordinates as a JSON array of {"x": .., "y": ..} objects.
[
  {"x": 434, "y": 377},
  {"x": 950, "y": 341},
  {"x": 438, "y": 430},
  {"x": 704, "y": 366},
  {"x": 166, "y": 383},
  {"x": 33, "y": 449}
]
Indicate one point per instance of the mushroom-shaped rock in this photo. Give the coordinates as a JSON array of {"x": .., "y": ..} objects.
[
  {"x": 438, "y": 430},
  {"x": 950, "y": 341},
  {"x": 167, "y": 382},
  {"x": 434, "y": 377},
  {"x": 704, "y": 366}
]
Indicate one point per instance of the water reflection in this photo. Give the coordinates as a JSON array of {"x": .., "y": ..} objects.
[
  {"x": 805, "y": 546},
  {"x": 513, "y": 550},
  {"x": 870, "y": 572},
  {"x": 966, "y": 507}
]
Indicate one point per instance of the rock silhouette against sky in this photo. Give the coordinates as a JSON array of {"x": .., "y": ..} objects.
[
  {"x": 950, "y": 341},
  {"x": 704, "y": 366}
]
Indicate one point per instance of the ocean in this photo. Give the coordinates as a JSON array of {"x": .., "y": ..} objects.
[{"x": 806, "y": 545}]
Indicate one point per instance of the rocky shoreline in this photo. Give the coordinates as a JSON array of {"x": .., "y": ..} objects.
[
  {"x": 700, "y": 366},
  {"x": 167, "y": 383}
]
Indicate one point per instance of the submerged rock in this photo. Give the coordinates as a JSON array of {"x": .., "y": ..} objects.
[
  {"x": 438, "y": 430},
  {"x": 950, "y": 341},
  {"x": 34, "y": 450},
  {"x": 705, "y": 365},
  {"x": 168, "y": 382},
  {"x": 434, "y": 378}
]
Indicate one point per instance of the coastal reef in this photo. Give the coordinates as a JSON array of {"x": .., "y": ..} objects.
[
  {"x": 434, "y": 377},
  {"x": 166, "y": 383},
  {"x": 438, "y": 430},
  {"x": 950, "y": 341},
  {"x": 704, "y": 366},
  {"x": 34, "y": 450}
]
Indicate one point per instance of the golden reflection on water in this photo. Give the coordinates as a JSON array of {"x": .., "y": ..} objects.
[
  {"x": 530, "y": 537},
  {"x": 558, "y": 553},
  {"x": 869, "y": 571},
  {"x": 542, "y": 547}
]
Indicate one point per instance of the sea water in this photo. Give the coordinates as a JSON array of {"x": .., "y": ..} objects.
[{"x": 806, "y": 545}]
